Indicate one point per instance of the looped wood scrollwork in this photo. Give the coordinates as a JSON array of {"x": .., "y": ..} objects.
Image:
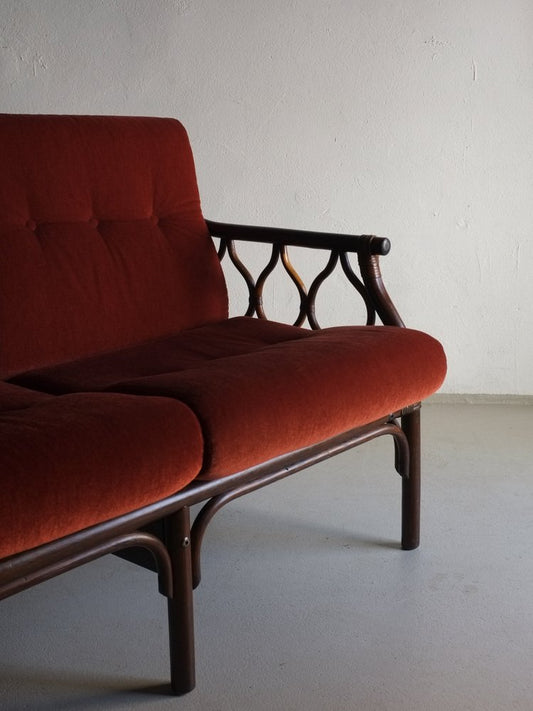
[{"x": 307, "y": 297}]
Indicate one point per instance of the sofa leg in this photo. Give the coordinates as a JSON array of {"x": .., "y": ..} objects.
[
  {"x": 411, "y": 485},
  {"x": 180, "y": 606}
]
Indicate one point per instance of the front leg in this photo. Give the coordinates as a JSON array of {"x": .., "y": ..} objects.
[
  {"x": 411, "y": 484},
  {"x": 180, "y": 605}
]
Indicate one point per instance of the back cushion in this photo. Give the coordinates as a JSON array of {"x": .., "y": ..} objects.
[{"x": 102, "y": 240}]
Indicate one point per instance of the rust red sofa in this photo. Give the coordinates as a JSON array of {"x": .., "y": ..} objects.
[{"x": 127, "y": 392}]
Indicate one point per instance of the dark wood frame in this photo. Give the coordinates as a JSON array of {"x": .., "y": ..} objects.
[{"x": 164, "y": 529}]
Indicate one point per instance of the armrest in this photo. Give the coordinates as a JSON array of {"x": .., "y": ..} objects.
[
  {"x": 301, "y": 238},
  {"x": 367, "y": 247}
]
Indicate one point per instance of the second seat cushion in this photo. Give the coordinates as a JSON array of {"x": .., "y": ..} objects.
[
  {"x": 261, "y": 389},
  {"x": 71, "y": 462}
]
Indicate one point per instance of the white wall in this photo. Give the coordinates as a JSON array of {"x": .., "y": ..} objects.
[{"x": 410, "y": 119}]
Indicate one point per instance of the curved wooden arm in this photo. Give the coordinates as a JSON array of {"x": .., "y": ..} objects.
[
  {"x": 373, "y": 281},
  {"x": 301, "y": 238},
  {"x": 367, "y": 247}
]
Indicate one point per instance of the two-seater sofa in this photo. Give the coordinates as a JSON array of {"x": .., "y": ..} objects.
[{"x": 128, "y": 394}]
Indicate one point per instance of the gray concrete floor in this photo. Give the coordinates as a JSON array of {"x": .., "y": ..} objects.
[{"x": 307, "y": 602}]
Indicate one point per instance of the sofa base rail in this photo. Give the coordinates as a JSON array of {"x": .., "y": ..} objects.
[
  {"x": 29, "y": 573},
  {"x": 292, "y": 465},
  {"x": 176, "y": 547}
]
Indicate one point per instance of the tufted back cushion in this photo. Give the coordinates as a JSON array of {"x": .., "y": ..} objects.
[{"x": 102, "y": 240}]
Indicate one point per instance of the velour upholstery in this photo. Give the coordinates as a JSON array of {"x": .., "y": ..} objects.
[
  {"x": 102, "y": 240},
  {"x": 109, "y": 281},
  {"x": 123, "y": 379},
  {"x": 261, "y": 389},
  {"x": 71, "y": 462},
  {"x": 13, "y": 397}
]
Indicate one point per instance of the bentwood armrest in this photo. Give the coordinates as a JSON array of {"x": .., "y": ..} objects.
[
  {"x": 367, "y": 247},
  {"x": 369, "y": 244}
]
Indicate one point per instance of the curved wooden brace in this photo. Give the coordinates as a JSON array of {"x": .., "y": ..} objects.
[
  {"x": 222, "y": 249},
  {"x": 267, "y": 271},
  {"x": 315, "y": 286},
  {"x": 161, "y": 556},
  {"x": 360, "y": 287},
  {"x": 297, "y": 281},
  {"x": 372, "y": 279},
  {"x": 199, "y": 527},
  {"x": 243, "y": 271},
  {"x": 204, "y": 517},
  {"x": 136, "y": 539}
]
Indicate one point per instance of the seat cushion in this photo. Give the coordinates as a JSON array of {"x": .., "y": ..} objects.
[
  {"x": 13, "y": 397},
  {"x": 261, "y": 389},
  {"x": 70, "y": 462}
]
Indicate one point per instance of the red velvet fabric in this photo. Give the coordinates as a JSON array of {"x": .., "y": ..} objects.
[
  {"x": 189, "y": 349},
  {"x": 102, "y": 239},
  {"x": 70, "y": 462},
  {"x": 261, "y": 389},
  {"x": 13, "y": 397}
]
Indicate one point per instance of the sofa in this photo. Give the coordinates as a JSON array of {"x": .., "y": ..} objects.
[{"x": 129, "y": 394}]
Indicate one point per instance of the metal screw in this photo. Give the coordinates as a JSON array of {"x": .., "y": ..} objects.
[{"x": 186, "y": 542}]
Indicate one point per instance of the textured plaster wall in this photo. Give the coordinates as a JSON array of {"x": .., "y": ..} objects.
[{"x": 408, "y": 119}]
